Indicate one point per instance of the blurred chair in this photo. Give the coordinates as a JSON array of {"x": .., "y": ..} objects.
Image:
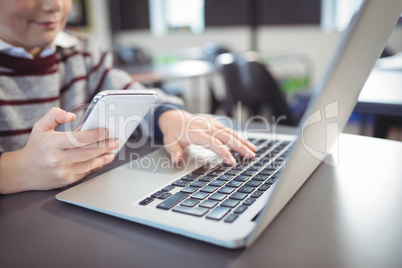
[
  {"x": 126, "y": 54},
  {"x": 210, "y": 51},
  {"x": 249, "y": 82}
]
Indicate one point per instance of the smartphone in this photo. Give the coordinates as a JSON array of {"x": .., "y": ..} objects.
[{"x": 120, "y": 111}]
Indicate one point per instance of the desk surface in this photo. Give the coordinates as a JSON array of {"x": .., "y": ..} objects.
[
  {"x": 382, "y": 93},
  {"x": 168, "y": 72},
  {"x": 348, "y": 216}
]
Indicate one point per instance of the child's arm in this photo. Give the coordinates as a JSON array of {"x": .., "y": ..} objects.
[{"x": 54, "y": 159}]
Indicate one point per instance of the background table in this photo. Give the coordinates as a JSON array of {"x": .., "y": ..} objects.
[
  {"x": 345, "y": 216},
  {"x": 381, "y": 98}
]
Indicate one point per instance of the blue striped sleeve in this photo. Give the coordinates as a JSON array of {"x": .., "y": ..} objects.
[{"x": 160, "y": 110}]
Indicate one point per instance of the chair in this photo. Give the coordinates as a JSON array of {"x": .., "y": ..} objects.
[
  {"x": 249, "y": 82},
  {"x": 127, "y": 54}
]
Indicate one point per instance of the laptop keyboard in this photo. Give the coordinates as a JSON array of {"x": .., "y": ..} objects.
[{"x": 224, "y": 192}]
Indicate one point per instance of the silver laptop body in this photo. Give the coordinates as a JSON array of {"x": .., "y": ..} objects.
[{"x": 121, "y": 191}]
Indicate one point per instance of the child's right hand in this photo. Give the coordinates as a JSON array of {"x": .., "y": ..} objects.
[{"x": 54, "y": 159}]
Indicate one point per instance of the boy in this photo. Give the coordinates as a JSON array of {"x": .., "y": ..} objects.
[{"x": 42, "y": 67}]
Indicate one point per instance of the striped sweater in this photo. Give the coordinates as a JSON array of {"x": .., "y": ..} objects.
[{"x": 69, "y": 77}]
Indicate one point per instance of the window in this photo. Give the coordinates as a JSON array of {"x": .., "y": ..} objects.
[
  {"x": 171, "y": 16},
  {"x": 336, "y": 14}
]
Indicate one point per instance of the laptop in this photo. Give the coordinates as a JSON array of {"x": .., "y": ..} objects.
[{"x": 230, "y": 206}]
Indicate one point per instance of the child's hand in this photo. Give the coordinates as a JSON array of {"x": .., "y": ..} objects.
[
  {"x": 53, "y": 159},
  {"x": 180, "y": 129}
]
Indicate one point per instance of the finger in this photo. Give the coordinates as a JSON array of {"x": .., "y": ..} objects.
[
  {"x": 247, "y": 143},
  {"x": 53, "y": 118},
  {"x": 88, "y": 166},
  {"x": 214, "y": 144},
  {"x": 69, "y": 140},
  {"x": 226, "y": 136},
  {"x": 92, "y": 151},
  {"x": 174, "y": 148}
]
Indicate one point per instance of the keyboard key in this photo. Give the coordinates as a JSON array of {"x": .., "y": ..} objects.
[
  {"x": 226, "y": 190},
  {"x": 259, "y": 164},
  {"x": 217, "y": 183},
  {"x": 246, "y": 189},
  {"x": 262, "y": 151},
  {"x": 181, "y": 183},
  {"x": 225, "y": 177},
  {"x": 209, "y": 203},
  {"x": 164, "y": 196},
  {"x": 264, "y": 187},
  {"x": 146, "y": 201},
  {"x": 218, "y": 196},
  {"x": 265, "y": 160},
  {"x": 253, "y": 183},
  {"x": 208, "y": 189},
  {"x": 190, "y": 177},
  {"x": 238, "y": 196},
  {"x": 231, "y": 218},
  {"x": 157, "y": 194},
  {"x": 230, "y": 203},
  {"x": 172, "y": 201},
  {"x": 241, "y": 166},
  {"x": 249, "y": 201},
  {"x": 234, "y": 184},
  {"x": 236, "y": 155},
  {"x": 252, "y": 140},
  {"x": 221, "y": 169},
  {"x": 223, "y": 166},
  {"x": 248, "y": 173},
  {"x": 214, "y": 173},
  {"x": 266, "y": 171},
  {"x": 259, "y": 142},
  {"x": 168, "y": 188},
  {"x": 189, "y": 190},
  {"x": 218, "y": 213},
  {"x": 190, "y": 202},
  {"x": 198, "y": 184},
  {"x": 260, "y": 177},
  {"x": 240, "y": 209},
  {"x": 256, "y": 194},
  {"x": 200, "y": 195},
  {"x": 270, "y": 181},
  {"x": 254, "y": 168},
  {"x": 206, "y": 178},
  {"x": 241, "y": 178},
  {"x": 202, "y": 170},
  {"x": 197, "y": 211},
  {"x": 231, "y": 172}
]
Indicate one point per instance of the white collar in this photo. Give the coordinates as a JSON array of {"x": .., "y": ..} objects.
[{"x": 62, "y": 39}]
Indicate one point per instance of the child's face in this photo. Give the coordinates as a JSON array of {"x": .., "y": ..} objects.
[{"x": 32, "y": 24}]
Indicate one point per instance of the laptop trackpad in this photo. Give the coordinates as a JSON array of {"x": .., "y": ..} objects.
[
  {"x": 153, "y": 171},
  {"x": 138, "y": 178}
]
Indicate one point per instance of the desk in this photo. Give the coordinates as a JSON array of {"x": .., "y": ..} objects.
[
  {"x": 349, "y": 216},
  {"x": 154, "y": 76},
  {"x": 382, "y": 94},
  {"x": 178, "y": 70},
  {"x": 382, "y": 97}
]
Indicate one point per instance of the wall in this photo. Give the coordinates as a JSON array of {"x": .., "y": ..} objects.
[
  {"x": 311, "y": 40},
  {"x": 318, "y": 44},
  {"x": 99, "y": 23}
]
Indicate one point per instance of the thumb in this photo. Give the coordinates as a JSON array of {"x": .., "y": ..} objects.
[
  {"x": 174, "y": 148},
  {"x": 53, "y": 118}
]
